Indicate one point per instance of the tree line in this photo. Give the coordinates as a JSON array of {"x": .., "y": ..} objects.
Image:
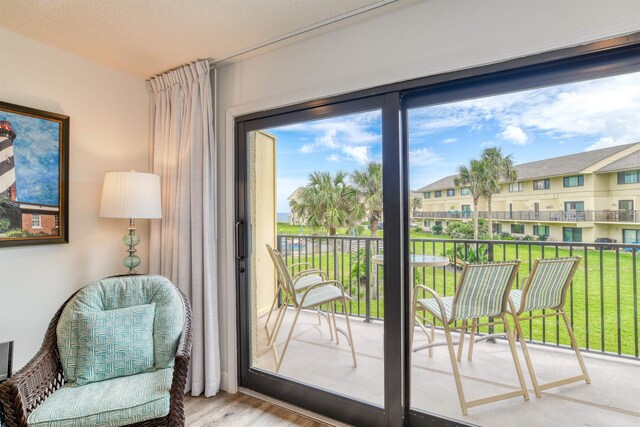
[{"x": 346, "y": 199}]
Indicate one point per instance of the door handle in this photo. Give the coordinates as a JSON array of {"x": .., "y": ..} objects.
[{"x": 239, "y": 241}]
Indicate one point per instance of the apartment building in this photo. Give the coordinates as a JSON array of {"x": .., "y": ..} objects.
[{"x": 574, "y": 198}]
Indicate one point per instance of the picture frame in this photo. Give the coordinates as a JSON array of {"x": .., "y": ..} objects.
[{"x": 34, "y": 176}]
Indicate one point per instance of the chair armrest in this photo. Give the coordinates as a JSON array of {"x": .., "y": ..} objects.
[
  {"x": 308, "y": 273},
  {"x": 181, "y": 369},
  {"x": 438, "y": 300},
  {"x": 38, "y": 379},
  {"x": 299, "y": 264}
]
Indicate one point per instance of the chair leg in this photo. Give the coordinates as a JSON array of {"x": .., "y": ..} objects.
[
  {"x": 318, "y": 313},
  {"x": 346, "y": 317},
  {"x": 574, "y": 344},
  {"x": 525, "y": 350},
  {"x": 278, "y": 324},
  {"x": 472, "y": 338},
  {"x": 328, "y": 308},
  {"x": 463, "y": 331},
  {"x": 456, "y": 371},
  {"x": 516, "y": 361},
  {"x": 286, "y": 343},
  {"x": 333, "y": 319},
  {"x": 273, "y": 304}
]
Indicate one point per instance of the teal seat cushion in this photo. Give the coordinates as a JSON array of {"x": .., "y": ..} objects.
[
  {"x": 114, "y": 343},
  {"x": 115, "y": 402},
  {"x": 123, "y": 292}
]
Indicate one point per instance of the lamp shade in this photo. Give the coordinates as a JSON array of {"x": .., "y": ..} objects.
[{"x": 130, "y": 195}]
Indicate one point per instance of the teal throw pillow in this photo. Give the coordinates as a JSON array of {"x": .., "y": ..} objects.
[{"x": 114, "y": 343}]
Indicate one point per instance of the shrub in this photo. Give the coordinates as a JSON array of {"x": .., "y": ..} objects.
[
  {"x": 469, "y": 253},
  {"x": 460, "y": 230},
  {"x": 436, "y": 229},
  {"x": 505, "y": 236}
]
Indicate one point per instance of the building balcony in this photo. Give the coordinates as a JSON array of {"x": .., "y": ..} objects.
[{"x": 615, "y": 216}]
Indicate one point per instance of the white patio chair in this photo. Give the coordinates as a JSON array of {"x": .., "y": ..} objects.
[
  {"x": 545, "y": 289},
  {"x": 324, "y": 293},
  {"x": 482, "y": 292},
  {"x": 302, "y": 280}
]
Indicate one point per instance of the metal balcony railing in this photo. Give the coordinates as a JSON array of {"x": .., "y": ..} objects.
[
  {"x": 602, "y": 301},
  {"x": 544, "y": 216}
]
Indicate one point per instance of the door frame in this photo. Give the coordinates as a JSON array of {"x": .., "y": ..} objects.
[{"x": 335, "y": 406}]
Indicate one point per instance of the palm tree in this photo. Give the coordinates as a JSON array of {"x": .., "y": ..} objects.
[
  {"x": 368, "y": 185},
  {"x": 474, "y": 177},
  {"x": 415, "y": 204},
  {"x": 499, "y": 168},
  {"x": 327, "y": 201}
]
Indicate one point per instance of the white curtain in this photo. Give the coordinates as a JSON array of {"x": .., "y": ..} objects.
[{"x": 183, "y": 243}]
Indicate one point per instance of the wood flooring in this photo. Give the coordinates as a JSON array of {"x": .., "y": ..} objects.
[{"x": 239, "y": 410}]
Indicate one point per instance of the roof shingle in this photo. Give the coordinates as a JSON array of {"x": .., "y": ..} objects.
[{"x": 555, "y": 166}]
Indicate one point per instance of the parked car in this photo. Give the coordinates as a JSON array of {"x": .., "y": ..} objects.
[
  {"x": 604, "y": 240},
  {"x": 380, "y": 226}
]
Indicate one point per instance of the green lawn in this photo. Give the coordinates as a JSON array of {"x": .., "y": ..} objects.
[{"x": 592, "y": 303}]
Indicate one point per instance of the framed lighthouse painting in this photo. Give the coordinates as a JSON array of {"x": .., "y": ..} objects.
[{"x": 34, "y": 176}]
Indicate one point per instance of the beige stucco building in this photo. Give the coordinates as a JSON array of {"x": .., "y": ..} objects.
[{"x": 579, "y": 197}]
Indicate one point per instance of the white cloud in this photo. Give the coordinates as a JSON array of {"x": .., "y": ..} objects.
[
  {"x": 488, "y": 144},
  {"x": 449, "y": 140},
  {"x": 604, "y": 142},
  {"x": 423, "y": 157},
  {"x": 359, "y": 154},
  {"x": 515, "y": 135},
  {"x": 601, "y": 108},
  {"x": 307, "y": 148},
  {"x": 333, "y": 158}
]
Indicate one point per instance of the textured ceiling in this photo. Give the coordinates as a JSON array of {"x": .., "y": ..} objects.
[{"x": 145, "y": 37}]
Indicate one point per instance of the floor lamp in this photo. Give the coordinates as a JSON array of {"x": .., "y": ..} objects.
[{"x": 131, "y": 195}]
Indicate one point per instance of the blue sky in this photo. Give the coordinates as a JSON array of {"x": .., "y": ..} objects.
[
  {"x": 531, "y": 125},
  {"x": 37, "y": 158}
]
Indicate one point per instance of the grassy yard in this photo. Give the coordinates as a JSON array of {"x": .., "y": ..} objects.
[{"x": 602, "y": 308}]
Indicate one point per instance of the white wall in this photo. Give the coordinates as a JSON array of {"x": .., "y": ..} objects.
[
  {"x": 410, "y": 39},
  {"x": 109, "y": 131}
]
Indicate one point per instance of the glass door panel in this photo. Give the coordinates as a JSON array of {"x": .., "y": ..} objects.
[{"x": 315, "y": 304}]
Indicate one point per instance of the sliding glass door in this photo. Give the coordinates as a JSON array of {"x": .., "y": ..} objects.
[{"x": 352, "y": 211}]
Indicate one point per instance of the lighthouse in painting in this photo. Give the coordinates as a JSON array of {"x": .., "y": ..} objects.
[{"x": 7, "y": 165}]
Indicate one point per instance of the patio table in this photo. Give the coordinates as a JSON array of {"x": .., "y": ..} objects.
[{"x": 416, "y": 261}]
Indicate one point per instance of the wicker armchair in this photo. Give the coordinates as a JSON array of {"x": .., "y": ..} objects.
[{"x": 43, "y": 375}]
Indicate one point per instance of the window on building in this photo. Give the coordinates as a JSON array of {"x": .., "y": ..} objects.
[
  {"x": 438, "y": 194},
  {"x": 497, "y": 228},
  {"x": 426, "y": 194},
  {"x": 571, "y": 234},
  {"x": 464, "y": 191},
  {"x": 517, "y": 228},
  {"x": 541, "y": 230},
  {"x": 427, "y": 223},
  {"x": 573, "y": 206},
  {"x": 466, "y": 208},
  {"x": 439, "y": 223},
  {"x": 515, "y": 187},
  {"x": 630, "y": 236},
  {"x": 451, "y": 192},
  {"x": 573, "y": 181},
  {"x": 541, "y": 184},
  {"x": 630, "y": 177},
  {"x": 56, "y": 221},
  {"x": 35, "y": 221}
]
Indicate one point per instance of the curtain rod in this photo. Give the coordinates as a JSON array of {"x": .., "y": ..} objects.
[{"x": 303, "y": 30}]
